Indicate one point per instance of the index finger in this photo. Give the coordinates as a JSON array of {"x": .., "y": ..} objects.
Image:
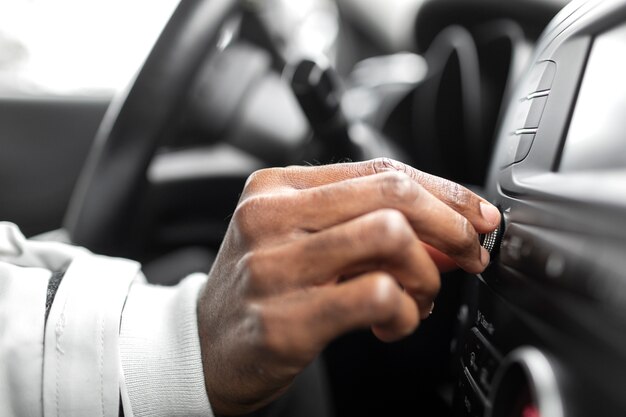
[{"x": 481, "y": 214}]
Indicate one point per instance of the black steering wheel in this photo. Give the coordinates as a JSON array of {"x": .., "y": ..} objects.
[{"x": 104, "y": 211}]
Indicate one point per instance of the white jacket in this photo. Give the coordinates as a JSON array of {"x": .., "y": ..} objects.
[{"x": 109, "y": 335}]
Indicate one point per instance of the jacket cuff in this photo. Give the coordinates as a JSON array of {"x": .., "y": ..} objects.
[
  {"x": 81, "y": 355},
  {"x": 160, "y": 351}
]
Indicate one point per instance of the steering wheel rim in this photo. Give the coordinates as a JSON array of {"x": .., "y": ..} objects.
[{"x": 104, "y": 208}]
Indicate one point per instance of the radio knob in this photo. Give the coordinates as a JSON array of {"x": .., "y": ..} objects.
[{"x": 491, "y": 241}]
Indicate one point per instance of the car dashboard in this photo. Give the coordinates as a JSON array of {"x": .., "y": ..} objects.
[{"x": 545, "y": 322}]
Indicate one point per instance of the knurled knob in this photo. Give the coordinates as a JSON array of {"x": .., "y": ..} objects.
[{"x": 491, "y": 241}]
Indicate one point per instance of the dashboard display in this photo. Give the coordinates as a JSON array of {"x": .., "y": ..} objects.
[{"x": 597, "y": 134}]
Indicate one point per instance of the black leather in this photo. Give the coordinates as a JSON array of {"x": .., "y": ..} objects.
[{"x": 105, "y": 209}]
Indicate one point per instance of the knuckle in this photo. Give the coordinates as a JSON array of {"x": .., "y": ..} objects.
[
  {"x": 459, "y": 196},
  {"x": 390, "y": 226},
  {"x": 247, "y": 216},
  {"x": 398, "y": 187},
  {"x": 260, "y": 179},
  {"x": 379, "y": 165},
  {"x": 253, "y": 263},
  {"x": 384, "y": 164},
  {"x": 253, "y": 180},
  {"x": 383, "y": 295},
  {"x": 247, "y": 207}
]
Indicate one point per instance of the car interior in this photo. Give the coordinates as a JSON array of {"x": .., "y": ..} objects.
[{"x": 519, "y": 100}]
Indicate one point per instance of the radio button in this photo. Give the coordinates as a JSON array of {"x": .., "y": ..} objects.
[
  {"x": 480, "y": 359},
  {"x": 537, "y": 105},
  {"x": 541, "y": 77}
]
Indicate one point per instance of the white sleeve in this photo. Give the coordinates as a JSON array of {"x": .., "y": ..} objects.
[
  {"x": 81, "y": 347},
  {"x": 22, "y": 310},
  {"x": 160, "y": 351},
  {"x": 69, "y": 365},
  {"x": 72, "y": 365}
]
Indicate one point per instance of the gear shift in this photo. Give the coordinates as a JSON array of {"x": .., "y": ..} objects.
[{"x": 318, "y": 91}]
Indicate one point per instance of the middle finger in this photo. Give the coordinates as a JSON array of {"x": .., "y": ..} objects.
[{"x": 435, "y": 222}]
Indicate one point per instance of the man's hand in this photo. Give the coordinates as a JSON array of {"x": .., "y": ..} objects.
[{"x": 314, "y": 252}]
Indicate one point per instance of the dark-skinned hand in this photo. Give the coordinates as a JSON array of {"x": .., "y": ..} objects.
[{"x": 315, "y": 252}]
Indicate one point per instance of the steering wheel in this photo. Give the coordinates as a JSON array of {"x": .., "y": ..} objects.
[{"x": 104, "y": 211}]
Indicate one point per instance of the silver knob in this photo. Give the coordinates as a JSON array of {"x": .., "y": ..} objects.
[{"x": 490, "y": 240}]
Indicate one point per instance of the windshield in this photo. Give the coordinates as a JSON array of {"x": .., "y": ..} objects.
[{"x": 74, "y": 47}]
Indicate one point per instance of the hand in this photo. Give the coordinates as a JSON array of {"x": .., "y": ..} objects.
[{"x": 314, "y": 252}]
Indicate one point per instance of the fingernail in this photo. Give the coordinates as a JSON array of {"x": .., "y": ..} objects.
[
  {"x": 490, "y": 213},
  {"x": 484, "y": 256}
]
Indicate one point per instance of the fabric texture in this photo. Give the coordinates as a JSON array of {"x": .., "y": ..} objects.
[
  {"x": 81, "y": 353},
  {"x": 71, "y": 365},
  {"x": 160, "y": 351},
  {"x": 22, "y": 309}
]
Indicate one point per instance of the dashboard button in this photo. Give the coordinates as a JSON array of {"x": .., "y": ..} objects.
[
  {"x": 480, "y": 359},
  {"x": 523, "y": 147},
  {"x": 541, "y": 77},
  {"x": 470, "y": 402},
  {"x": 521, "y": 114},
  {"x": 556, "y": 258},
  {"x": 510, "y": 144},
  {"x": 547, "y": 77},
  {"x": 537, "y": 105}
]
